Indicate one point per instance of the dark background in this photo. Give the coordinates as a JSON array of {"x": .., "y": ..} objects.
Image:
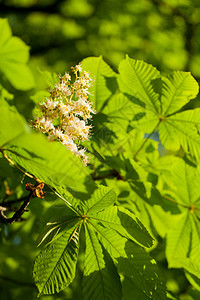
[{"x": 61, "y": 33}]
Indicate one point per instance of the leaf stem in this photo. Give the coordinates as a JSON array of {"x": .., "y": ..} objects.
[
  {"x": 174, "y": 201},
  {"x": 38, "y": 180},
  {"x": 68, "y": 203},
  {"x": 17, "y": 167}
]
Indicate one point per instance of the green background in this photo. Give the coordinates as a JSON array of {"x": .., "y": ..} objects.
[{"x": 62, "y": 33}]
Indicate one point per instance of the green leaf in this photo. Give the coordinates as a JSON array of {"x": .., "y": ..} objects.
[
  {"x": 194, "y": 280},
  {"x": 55, "y": 266},
  {"x": 102, "y": 198},
  {"x": 14, "y": 56},
  {"x": 133, "y": 262},
  {"x": 100, "y": 280},
  {"x": 182, "y": 130},
  {"x": 195, "y": 237},
  {"x": 55, "y": 227},
  {"x": 191, "y": 265},
  {"x": 178, "y": 240},
  {"x": 194, "y": 292},
  {"x": 183, "y": 239},
  {"x": 50, "y": 78},
  {"x": 120, "y": 111},
  {"x": 126, "y": 224},
  {"x": 129, "y": 291},
  {"x": 183, "y": 181},
  {"x": 51, "y": 162},
  {"x": 158, "y": 99},
  {"x": 104, "y": 80},
  {"x": 138, "y": 79},
  {"x": 12, "y": 124},
  {"x": 178, "y": 88}
]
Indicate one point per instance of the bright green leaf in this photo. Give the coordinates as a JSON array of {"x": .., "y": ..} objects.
[
  {"x": 178, "y": 88},
  {"x": 102, "y": 198},
  {"x": 142, "y": 81},
  {"x": 126, "y": 224},
  {"x": 104, "y": 80}
]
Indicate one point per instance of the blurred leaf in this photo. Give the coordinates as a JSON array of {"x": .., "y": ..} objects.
[{"x": 14, "y": 57}]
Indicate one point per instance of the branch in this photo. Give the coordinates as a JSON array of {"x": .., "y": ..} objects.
[
  {"x": 16, "y": 281},
  {"x": 14, "y": 165},
  {"x": 18, "y": 213}
]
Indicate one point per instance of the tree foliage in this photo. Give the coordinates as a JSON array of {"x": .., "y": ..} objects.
[{"x": 99, "y": 228}]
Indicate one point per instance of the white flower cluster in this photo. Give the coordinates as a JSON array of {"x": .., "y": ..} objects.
[{"x": 64, "y": 116}]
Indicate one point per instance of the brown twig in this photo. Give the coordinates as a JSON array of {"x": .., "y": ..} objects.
[{"x": 17, "y": 215}]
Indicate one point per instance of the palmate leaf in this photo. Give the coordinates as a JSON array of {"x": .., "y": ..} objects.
[
  {"x": 183, "y": 239},
  {"x": 55, "y": 266},
  {"x": 119, "y": 112},
  {"x": 183, "y": 243},
  {"x": 14, "y": 55},
  {"x": 183, "y": 182},
  {"x": 100, "y": 278},
  {"x": 162, "y": 98},
  {"x": 104, "y": 80}
]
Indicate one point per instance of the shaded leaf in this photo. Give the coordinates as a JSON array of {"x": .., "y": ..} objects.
[
  {"x": 133, "y": 262},
  {"x": 55, "y": 266},
  {"x": 99, "y": 280}
]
